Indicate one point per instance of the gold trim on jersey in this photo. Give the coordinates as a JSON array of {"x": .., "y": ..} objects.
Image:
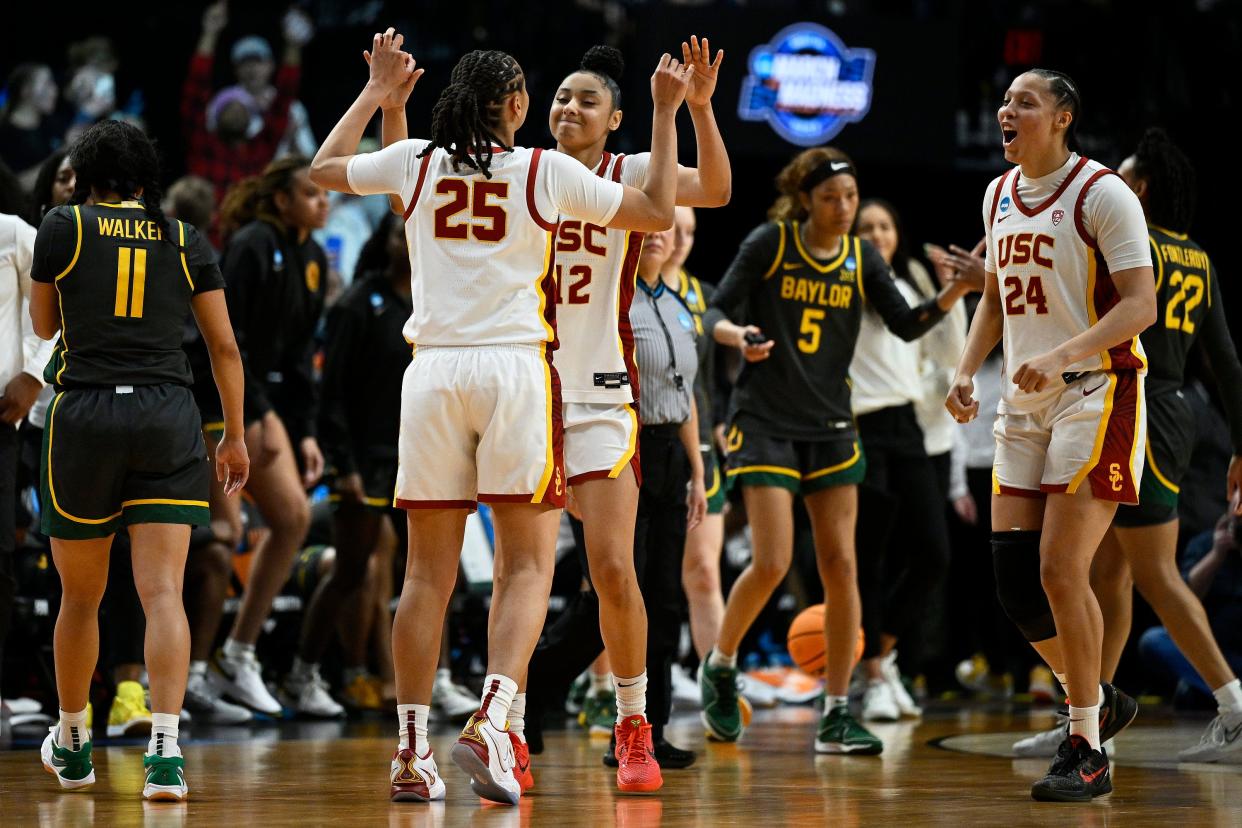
[
  {"x": 710, "y": 493},
  {"x": 838, "y": 467},
  {"x": 161, "y": 501},
  {"x": 77, "y": 251},
  {"x": 794, "y": 473},
  {"x": 1151, "y": 464},
  {"x": 1106, "y": 359},
  {"x": 833, "y": 265},
  {"x": 862, "y": 290},
  {"x": 1178, "y": 236},
  {"x": 780, "y": 252},
  {"x": 549, "y": 334},
  {"x": 185, "y": 266},
  {"x": 1157, "y": 260},
  {"x": 630, "y": 447},
  {"x": 549, "y": 463},
  {"x": 51, "y": 476},
  {"x": 1098, "y": 449},
  {"x": 122, "y": 205}
]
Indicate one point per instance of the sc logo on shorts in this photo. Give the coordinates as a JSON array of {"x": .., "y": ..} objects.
[{"x": 1115, "y": 477}]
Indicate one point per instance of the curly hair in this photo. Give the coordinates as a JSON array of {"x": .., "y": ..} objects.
[
  {"x": 607, "y": 64},
  {"x": 788, "y": 206},
  {"x": 467, "y": 113},
  {"x": 117, "y": 157},
  {"x": 255, "y": 197},
  {"x": 1170, "y": 180}
]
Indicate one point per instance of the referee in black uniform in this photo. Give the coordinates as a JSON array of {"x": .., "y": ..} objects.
[{"x": 123, "y": 447}]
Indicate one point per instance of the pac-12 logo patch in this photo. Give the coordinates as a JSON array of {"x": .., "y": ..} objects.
[
  {"x": 1057, "y": 215},
  {"x": 806, "y": 84}
]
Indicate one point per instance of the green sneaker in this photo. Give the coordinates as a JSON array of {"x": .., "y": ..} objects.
[
  {"x": 721, "y": 715},
  {"x": 599, "y": 712},
  {"x": 578, "y": 693},
  {"x": 840, "y": 732},
  {"x": 73, "y": 768},
  {"x": 165, "y": 778}
]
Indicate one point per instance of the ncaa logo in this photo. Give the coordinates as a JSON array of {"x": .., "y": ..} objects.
[
  {"x": 806, "y": 84},
  {"x": 1057, "y": 215},
  {"x": 1004, "y": 204}
]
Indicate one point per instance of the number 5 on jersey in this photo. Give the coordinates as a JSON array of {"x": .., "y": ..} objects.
[{"x": 488, "y": 221}]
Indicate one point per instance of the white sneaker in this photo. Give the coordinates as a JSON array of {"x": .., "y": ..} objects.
[
  {"x": 203, "y": 701},
  {"x": 486, "y": 755},
  {"x": 165, "y": 780},
  {"x": 450, "y": 700},
  {"x": 879, "y": 704},
  {"x": 1042, "y": 745},
  {"x": 72, "y": 769},
  {"x": 414, "y": 778},
  {"x": 758, "y": 693},
  {"x": 686, "y": 693},
  {"x": 308, "y": 695},
  {"x": 241, "y": 679},
  {"x": 905, "y": 703},
  {"x": 1222, "y": 741}
]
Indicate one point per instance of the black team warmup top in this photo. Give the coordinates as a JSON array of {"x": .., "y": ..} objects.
[
  {"x": 812, "y": 309},
  {"x": 124, "y": 293}
]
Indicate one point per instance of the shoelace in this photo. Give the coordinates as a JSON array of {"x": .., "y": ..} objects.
[{"x": 636, "y": 745}]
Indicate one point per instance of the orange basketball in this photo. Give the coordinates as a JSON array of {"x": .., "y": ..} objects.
[{"x": 806, "y": 643}]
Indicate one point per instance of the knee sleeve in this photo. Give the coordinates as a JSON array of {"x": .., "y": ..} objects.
[{"x": 1015, "y": 559}]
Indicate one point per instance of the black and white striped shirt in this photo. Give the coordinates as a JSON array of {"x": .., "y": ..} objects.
[{"x": 664, "y": 347}]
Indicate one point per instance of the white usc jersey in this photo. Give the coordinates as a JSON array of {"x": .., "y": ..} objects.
[
  {"x": 1053, "y": 243},
  {"x": 596, "y": 268},
  {"x": 482, "y": 253}
]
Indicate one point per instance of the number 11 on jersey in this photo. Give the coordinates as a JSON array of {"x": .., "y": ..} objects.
[{"x": 131, "y": 281}]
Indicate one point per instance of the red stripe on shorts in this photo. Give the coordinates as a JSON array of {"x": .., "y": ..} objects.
[
  {"x": 434, "y": 504},
  {"x": 1112, "y": 478}
]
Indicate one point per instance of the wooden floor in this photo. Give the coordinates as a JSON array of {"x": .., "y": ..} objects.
[{"x": 933, "y": 773}]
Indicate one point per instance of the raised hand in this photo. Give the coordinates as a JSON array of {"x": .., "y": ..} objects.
[
  {"x": 397, "y": 98},
  {"x": 393, "y": 71},
  {"x": 670, "y": 82},
  {"x": 215, "y": 18},
  {"x": 697, "y": 54}
]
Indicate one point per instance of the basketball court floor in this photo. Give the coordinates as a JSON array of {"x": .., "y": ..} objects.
[{"x": 950, "y": 769}]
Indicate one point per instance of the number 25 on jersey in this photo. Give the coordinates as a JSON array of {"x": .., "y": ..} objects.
[{"x": 487, "y": 220}]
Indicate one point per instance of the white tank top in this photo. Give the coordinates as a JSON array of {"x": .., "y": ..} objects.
[
  {"x": 596, "y": 268},
  {"x": 1053, "y": 254},
  {"x": 482, "y": 258}
]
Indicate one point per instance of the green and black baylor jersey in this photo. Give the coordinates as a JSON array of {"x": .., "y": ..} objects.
[
  {"x": 124, "y": 293},
  {"x": 812, "y": 309}
]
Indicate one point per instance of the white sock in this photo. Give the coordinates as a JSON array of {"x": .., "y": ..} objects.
[
  {"x": 236, "y": 649},
  {"x": 164, "y": 735},
  {"x": 631, "y": 695},
  {"x": 72, "y": 733},
  {"x": 1085, "y": 722},
  {"x": 718, "y": 659},
  {"x": 517, "y": 717},
  {"x": 1100, "y": 699},
  {"x": 600, "y": 683},
  {"x": 498, "y": 693},
  {"x": 1229, "y": 697},
  {"x": 412, "y": 726},
  {"x": 833, "y": 702},
  {"x": 198, "y": 668}
]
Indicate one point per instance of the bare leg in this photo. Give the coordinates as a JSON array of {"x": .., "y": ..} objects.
[
  {"x": 1114, "y": 589},
  {"x": 834, "y": 513},
  {"x": 159, "y": 551},
  {"x": 83, "y": 568},
  {"x": 435, "y": 539},
  {"x": 770, "y": 509},
  {"x": 700, "y": 576},
  {"x": 210, "y": 565},
  {"x": 1152, "y": 553},
  {"x": 523, "y": 582},
  {"x": 355, "y": 529},
  {"x": 278, "y": 492}
]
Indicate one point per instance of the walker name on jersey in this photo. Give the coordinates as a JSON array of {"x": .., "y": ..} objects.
[
  {"x": 571, "y": 237},
  {"x": 816, "y": 292},
  {"x": 123, "y": 228}
]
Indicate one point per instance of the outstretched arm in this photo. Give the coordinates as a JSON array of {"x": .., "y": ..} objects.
[
  {"x": 711, "y": 182},
  {"x": 391, "y": 70}
]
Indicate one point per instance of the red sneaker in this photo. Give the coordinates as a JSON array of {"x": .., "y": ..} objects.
[
  {"x": 637, "y": 769},
  {"x": 521, "y": 763}
]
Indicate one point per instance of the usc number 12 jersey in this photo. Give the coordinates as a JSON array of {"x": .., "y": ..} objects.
[
  {"x": 482, "y": 252},
  {"x": 1054, "y": 243},
  {"x": 595, "y": 272}
]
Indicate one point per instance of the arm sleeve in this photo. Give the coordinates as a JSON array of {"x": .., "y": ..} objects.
[
  {"x": 1113, "y": 216},
  {"x": 571, "y": 189},
  {"x": 341, "y": 352},
  {"x": 883, "y": 295},
  {"x": 200, "y": 260},
  {"x": 35, "y": 351},
  {"x": 55, "y": 242},
  {"x": 756, "y": 259},
  {"x": 394, "y": 169},
  {"x": 1221, "y": 352}
]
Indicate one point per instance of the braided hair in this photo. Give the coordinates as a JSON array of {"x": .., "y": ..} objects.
[
  {"x": 607, "y": 64},
  {"x": 117, "y": 157},
  {"x": 1065, "y": 91},
  {"x": 1170, "y": 180},
  {"x": 467, "y": 113}
]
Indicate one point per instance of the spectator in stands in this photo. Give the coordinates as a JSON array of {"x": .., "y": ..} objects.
[
  {"x": 253, "y": 67},
  {"x": 28, "y": 133},
  {"x": 223, "y": 144}
]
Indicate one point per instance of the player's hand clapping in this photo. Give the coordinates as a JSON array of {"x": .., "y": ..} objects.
[
  {"x": 961, "y": 401},
  {"x": 698, "y": 55},
  {"x": 671, "y": 82}
]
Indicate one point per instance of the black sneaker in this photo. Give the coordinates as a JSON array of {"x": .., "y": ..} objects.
[
  {"x": 668, "y": 755},
  {"x": 1116, "y": 712},
  {"x": 1077, "y": 774}
]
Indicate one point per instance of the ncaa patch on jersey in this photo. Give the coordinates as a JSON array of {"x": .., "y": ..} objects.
[
  {"x": 1004, "y": 204},
  {"x": 807, "y": 84}
]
